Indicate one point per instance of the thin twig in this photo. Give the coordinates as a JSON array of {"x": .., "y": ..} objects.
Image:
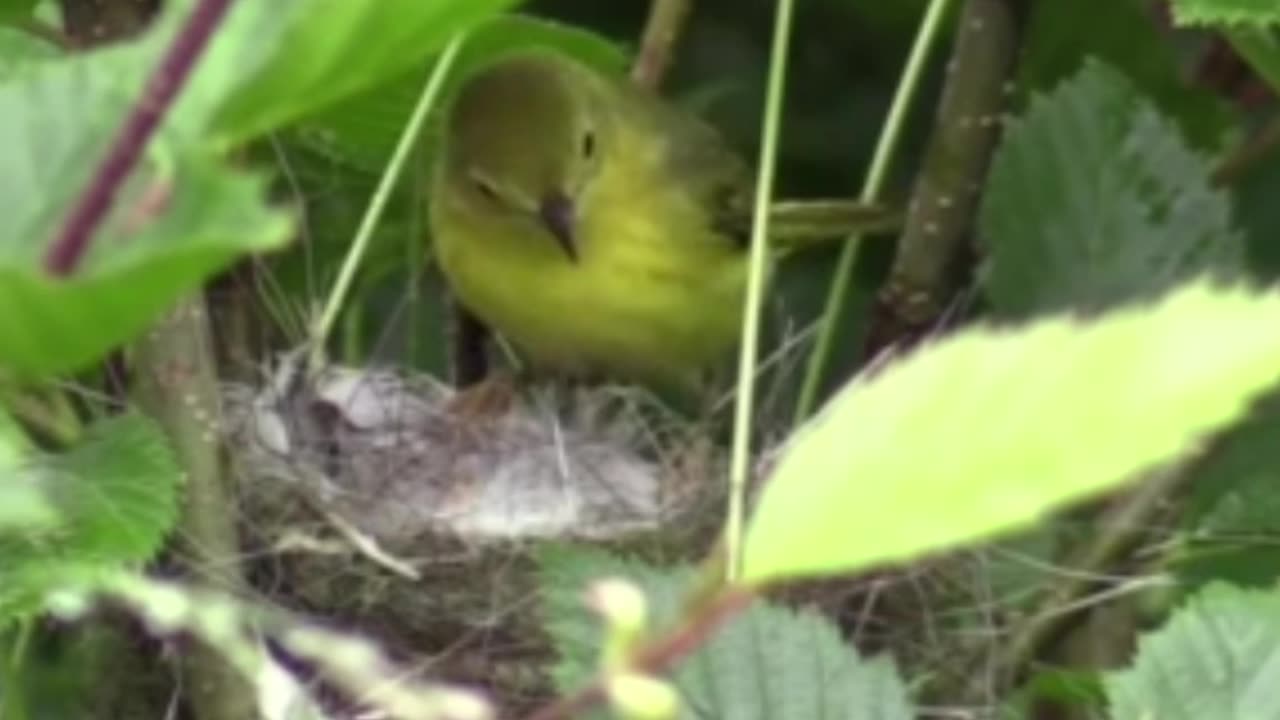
[
  {"x": 740, "y": 458},
  {"x": 1119, "y": 528},
  {"x": 662, "y": 33},
  {"x": 381, "y": 195},
  {"x": 162, "y": 87}
]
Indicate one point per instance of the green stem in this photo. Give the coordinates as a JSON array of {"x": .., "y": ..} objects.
[
  {"x": 12, "y": 703},
  {"x": 381, "y": 195},
  {"x": 740, "y": 461},
  {"x": 886, "y": 147}
]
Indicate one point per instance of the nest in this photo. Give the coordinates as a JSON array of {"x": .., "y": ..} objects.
[{"x": 368, "y": 500}]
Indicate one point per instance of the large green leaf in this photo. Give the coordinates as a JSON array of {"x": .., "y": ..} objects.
[
  {"x": 767, "y": 662},
  {"x": 1219, "y": 657},
  {"x": 1095, "y": 199},
  {"x": 363, "y": 130},
  {"x": 179, "y": 218},
  {"x": 116, "y": 497},
  {"x": 318, "y": 53},
  {"x": 988, "y": 430},
  {"x": 1226, "y": 12},
  {"x": 16, "y": 9},
  {"x": 138, "y": 265}
]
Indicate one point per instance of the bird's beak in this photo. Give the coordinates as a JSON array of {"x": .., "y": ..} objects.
[{"x": 558, "y": 215}]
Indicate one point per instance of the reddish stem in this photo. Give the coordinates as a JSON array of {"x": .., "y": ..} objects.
[{"x": 162, "y": 87}]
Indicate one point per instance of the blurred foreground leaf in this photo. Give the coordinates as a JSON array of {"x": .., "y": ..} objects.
[{"x": 990, "y": 429}]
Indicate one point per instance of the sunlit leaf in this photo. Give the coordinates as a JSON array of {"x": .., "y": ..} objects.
[{"x": 990, "y": 429}]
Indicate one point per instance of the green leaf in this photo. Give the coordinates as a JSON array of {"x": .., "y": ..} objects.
[
  {"x": 132, "y": 274},
  {"x": 116, "y": 497},
  {"x": 988, "y": 430},
  {"x": 311, "y": 57},
  {"x": 15, "y": 446},
  {"x": 19, "y": 50},
  {"x": 1053, "y": 689},
  {"x": 767, "y": 662},
  {"x": 22, "y": 506},
  {"x": 1234, "y": 509},
  {"x": 1219, "y": 657},
  {"x": 1060, "y": 36},
  {"x": 363, "y": 130},
  {"x": 1240, "y": 475},
  {"x": 1225, "y": 12},
  {"x": 1094, "y": 199},
  {"x": 11, "y": 10},
  {"x": 180, "y": 217}
]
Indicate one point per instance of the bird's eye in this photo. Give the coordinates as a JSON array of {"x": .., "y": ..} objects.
[{"x": 588, "y": 144}]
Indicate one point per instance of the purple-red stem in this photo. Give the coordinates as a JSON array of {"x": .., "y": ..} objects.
[{"x": 162, "y": 87}]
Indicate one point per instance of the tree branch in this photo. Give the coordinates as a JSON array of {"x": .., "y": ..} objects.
[{"x": 947, "y": 191}]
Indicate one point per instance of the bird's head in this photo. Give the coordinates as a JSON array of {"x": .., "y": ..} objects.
[{"x": 524, "y": 140}]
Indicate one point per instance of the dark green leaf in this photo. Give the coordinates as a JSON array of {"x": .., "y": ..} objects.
[
  {"x": 1094, "y": 199},
  {"x": 1234, "y": 512}
]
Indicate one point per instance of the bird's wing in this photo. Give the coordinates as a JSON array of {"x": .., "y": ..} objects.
[{"x": 697, "y": 157}]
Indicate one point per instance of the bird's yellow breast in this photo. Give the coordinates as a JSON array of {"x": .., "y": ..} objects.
[{"x": 654, "y": 296}]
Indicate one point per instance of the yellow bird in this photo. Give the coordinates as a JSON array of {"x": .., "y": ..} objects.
[{"x": 600, "y": 230}]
